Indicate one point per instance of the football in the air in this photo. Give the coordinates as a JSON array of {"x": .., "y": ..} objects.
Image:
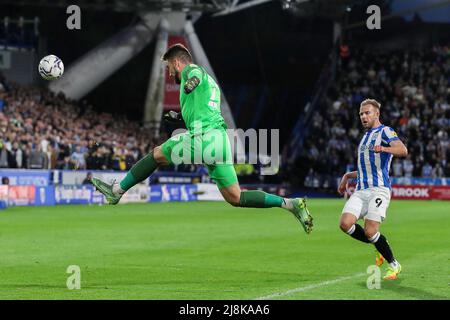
[{"x": 51, "y": 67}]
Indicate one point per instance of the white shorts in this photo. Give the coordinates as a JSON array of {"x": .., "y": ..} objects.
[{"x": 370, "y": 204}]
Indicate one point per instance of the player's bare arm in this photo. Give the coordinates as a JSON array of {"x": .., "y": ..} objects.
[
  {"x": 344, "y": 181},
  {"x": 396, "y": 148}
]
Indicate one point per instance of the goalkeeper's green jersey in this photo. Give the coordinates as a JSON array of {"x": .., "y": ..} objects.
[{"x": 200, "y": 109}]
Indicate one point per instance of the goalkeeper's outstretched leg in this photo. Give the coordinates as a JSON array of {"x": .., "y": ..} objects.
[
  {"x": 260, "y": 199},
  {"x": 225, "y": 178},
  {"x": 200, "y": 102},
  {"x": 139, "y": 172}
]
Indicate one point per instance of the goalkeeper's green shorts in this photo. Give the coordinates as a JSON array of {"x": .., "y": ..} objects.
[{"x": 211, "y": 149}]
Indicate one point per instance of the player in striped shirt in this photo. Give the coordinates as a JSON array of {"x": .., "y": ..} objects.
[{"x": 373, "y": 190}]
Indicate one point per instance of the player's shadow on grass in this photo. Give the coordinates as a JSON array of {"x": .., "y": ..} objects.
[{"x": 405, "y": 291}]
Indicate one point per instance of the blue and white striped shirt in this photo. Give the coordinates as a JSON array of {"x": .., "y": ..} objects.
[{"x": 373, "y": 168}]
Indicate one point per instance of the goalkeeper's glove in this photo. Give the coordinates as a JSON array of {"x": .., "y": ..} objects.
[{"x": 172, "y": 116}]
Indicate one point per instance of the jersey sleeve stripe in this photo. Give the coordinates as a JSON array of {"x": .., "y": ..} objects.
[
  {"x": 363, "y": 163},
  {"x": 393, "y": 139},
  {"x": 373, "y": 157},
  {"x": 374, "y": 168},
  {"x": 385, "y": 158}
]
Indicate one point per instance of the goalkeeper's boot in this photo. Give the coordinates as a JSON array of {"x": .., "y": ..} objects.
[
  {"x": 106, "y": 190},
  {"x": 379, "y": 259},
  {"x": 392, "y": 273},
  {"x": 301, "y": 212}
]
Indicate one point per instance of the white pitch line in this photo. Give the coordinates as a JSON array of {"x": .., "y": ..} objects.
[{"x": 310, "y": 287}]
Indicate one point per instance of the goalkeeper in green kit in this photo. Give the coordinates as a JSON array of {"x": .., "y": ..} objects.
[{"x": 205, "y": 142}]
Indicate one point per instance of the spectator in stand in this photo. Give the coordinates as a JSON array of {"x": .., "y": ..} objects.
[
  {"x": 88, "y": 178},
  {"x": 397, "y": 168},
  {"x": 408, "y": 167},
  {"x": 6, "y": 158},
  {"x": 437, "y": 172},
  {"x": 129, "y": 159},
  {"x": 17, "y": 154},
  {"x": 426, "y": 170},
  {"x": 37, "y": 159},
  {"x": 117, "y": 160},
  {"x": 78, "y": 160},
  {"x": 67, "y": 164},
  {"x": 309, "y": 180},
  {"x": 97, "y": 160},
  {"x": 52, "y": 156},
  {"x": 447, "y": 169}
]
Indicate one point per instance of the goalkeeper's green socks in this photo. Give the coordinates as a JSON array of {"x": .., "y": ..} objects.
[
  {"x": 261, "y": 199},
  {"x": 139, "y": 172}
]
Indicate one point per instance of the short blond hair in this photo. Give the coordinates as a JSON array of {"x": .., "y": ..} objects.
[{"x": 372, "y": 102}]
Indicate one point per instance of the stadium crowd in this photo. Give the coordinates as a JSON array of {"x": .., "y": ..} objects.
[
  {"x": 414, "y": 92},
  {"x": 39, "y": 130}
]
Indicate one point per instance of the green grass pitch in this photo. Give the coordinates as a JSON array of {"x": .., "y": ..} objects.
[{"x": 211, "y": 250}]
